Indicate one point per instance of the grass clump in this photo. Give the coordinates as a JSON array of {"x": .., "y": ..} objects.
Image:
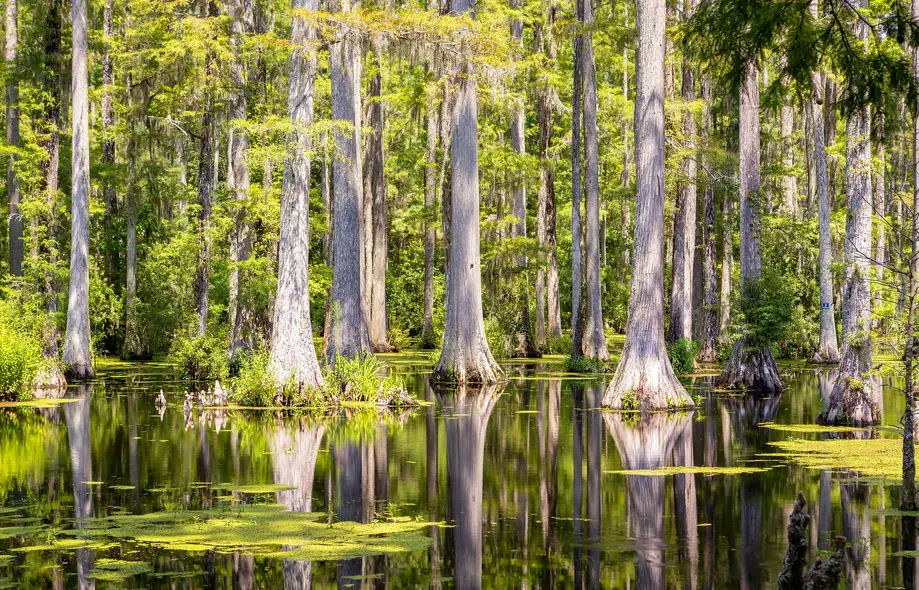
[
  {"x": 201, "y": 358},
  {"x": 583, "y": 364},
  {"x": 683, "y": 356},
  {"x": 349, "y": 381}
]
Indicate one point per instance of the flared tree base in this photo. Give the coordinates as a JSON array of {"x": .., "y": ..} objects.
[
  {"x": 79, "y": 372},
  {"x": 752, "y": 368},
  {"x": 50, "y": 378},
  {"x": 853, "y": 402},
  {"x": 645, "y": 381},
  {"x": 477, "y": 366},
  {"x": 824, "y": 356}
]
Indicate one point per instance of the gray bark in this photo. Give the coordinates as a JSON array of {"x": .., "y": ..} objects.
[
  {"x": 594, "y": 339},
  {"x": 465, "y": 356},
  {"x": 348, "y": 334},
  {"x": 577, "y": 232},
  {"x": 133, "y": 341},
  {"x": 827, "y": 349},
  {"x": 376, "y": 174},
  {"x": 203, "y": 262},
  {"x": 430, "y": 233},
  {"x": 789, "y": 180},
  {"x": 109, "y": 194},
  {"x": 77, "y": 341},
  {"x": 293, "y": 356},
  {"x": 751, "y": 366},
  {"x": 644, "y": 372},
  {"x": 547, "y": 217},
  {"x": 684, "y": 228},
  {"x": 524, "y": 342},
  {"x": 626, "y": 164},
  {"x": 727, "y": 263},
  {"x": 708, "y": 352},
  {"x": 12, "y": 135},
  {"x": 856, "y": 398},
  {"x": 880, "y": 206},
  {"x": 238, "y": 183}
]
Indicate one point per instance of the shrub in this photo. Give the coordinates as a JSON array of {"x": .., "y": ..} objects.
[
  {"x": 255, "y": 380},
  {"x": 21, "y": 354},
  {"x": 584, "y": 365},
  {"x": 201, "y": 358},
  {"x": 558, "y": 345},
  {"x": 683, "y": 355}
]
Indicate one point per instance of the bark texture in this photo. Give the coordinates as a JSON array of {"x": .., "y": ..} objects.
[
  {"x": 828, "y": 348},
  {"x": 751, "y": 365},
  {"x": 109, "y": 194},
  {"x": 526, "y": 344},
  {"x": 77, "y": 341},
  {"x": 465, "y": 356},
  {"x": 293, "y": 356},
  {"x": 577, "y": 231},
  {"x": 644, "y": 377},
  {"x": 430, "y": 231},
  {"x": 708, "y": 352},
  {"x": 684, "y": 228},
  {"x": 594, "y": 338},
  {"x": 11, "y": 55},
  {"x": 379, "y": 227},
  {"x": 792, "y": 575},
  {"x": 238, "y": 183},
  {"x": 348, "y": 334},
  {"x": 856, "y": 397}
]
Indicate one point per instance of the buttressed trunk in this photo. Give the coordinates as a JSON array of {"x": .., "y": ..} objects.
[
  {"x": 76, "y": 343},
  {"x": 465, "y": 356},
  {"x": 751, "y": 365},
  {"x": 856, "y": 398},
  {"x": 644, "y": 378},
  {"x": 293, "y": 356},
  {"x": 348, "y": 332}
]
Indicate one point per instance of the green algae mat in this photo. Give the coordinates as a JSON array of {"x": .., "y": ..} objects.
[
  {"x": 265, "y": 530},
  {"x": 876, "y": 458}
]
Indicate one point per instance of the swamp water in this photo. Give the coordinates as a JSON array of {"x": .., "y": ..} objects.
[{"x": 520, "y": 485}]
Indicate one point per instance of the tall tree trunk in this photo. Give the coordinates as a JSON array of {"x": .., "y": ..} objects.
[
  {"x": 856, "y": 398},
  {"x": 789, "y": 180},
  {"x": 109, "y": 194},
  {"x": 751, "y": 365},
  {"x": 465, "y": 356},
  {"x": 727, "y": 263},
  {"x": 547, "y": 206},
  {"x": 430, "y": 231},
  {"x": 379, "y": 259},
  {"x": 644, "y": 378},
  {"x": 133, "y": 340},
  {"x": 594, "y": 339},
  {"x": 626, "y": 163},
  {"x": 293, "y": 356},
  {"x": 577, "y": 232},
  {"x": 524, "y": 343},
  {"x": 348, "y": 334},
  {"x": 684, "y": 228},
  {"x": 203, "y": 262},
  {"x": 827, "y": 349},
  {"x": 77, "y": 341},
  {"x": 880, "y": 205},
  {"x": 708, "y": 352},
  {"x": 12, "y": 135},
  {"x": 238, "y": 183}
]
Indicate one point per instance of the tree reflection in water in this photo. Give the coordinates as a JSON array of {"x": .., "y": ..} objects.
[
  {"x": 295, "y": 445},
  {"x": 77, "y": 416},
  {"x": 647, "y": 442},
  {"x": 466, "y": 412}
]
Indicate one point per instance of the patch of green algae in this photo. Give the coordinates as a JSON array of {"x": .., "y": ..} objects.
[
  {"x": 877, "y": 458},
  {"x": 116, "y": 570},
  {"x": 802, "y": 428},
  {"x": 268, "y": 488},
  {"x": 661, "y": 471},
  {"x": 263, "y": 530}
]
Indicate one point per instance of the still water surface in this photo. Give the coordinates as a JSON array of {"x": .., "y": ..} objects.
[{"x": 520, "y": 476}]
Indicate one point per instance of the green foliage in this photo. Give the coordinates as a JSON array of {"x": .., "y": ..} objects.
[
  {"x": 358, "y": 380},
  {"x": 683, "y": 355},
  {"x": 255, "y": 380},
  {"x": 766, "y": 310},
  {"x": 201, "y": 358},
  {"x": 583, "y": 364},
  {"x": 630, "y": 402},
  {"x": 558, "y": 345},
  {"x": 21, "y": 353}
]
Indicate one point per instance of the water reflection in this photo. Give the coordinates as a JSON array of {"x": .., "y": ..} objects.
[
  {"x": 466, "y": 413},
  {"x": 295, "y": 446},
  {"x": 77, "y": 417}
]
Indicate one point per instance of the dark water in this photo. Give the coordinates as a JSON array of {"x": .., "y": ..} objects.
[{"x": 520, "y": 474}]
